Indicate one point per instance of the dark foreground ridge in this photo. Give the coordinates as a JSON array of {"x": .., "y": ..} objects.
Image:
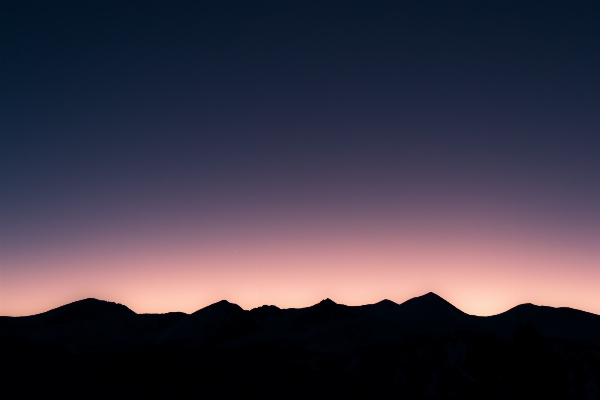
[{"x": 423, "y": 348}]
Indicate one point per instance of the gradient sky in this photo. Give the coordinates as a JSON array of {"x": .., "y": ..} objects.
[{"x": 167, "y": 155}]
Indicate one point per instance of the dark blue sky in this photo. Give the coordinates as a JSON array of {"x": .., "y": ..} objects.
[{"x": 119, "y": 113}]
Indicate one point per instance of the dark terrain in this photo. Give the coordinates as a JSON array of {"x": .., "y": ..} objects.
[{"x": 423, "y": 348}]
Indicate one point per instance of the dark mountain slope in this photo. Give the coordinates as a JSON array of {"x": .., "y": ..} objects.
[
  {"x": 563, "y": 322},
  {"x": 82, "y": 310},
  {"x": 422, "y": 348},
  {"x": 89, "y": 325},
  {"x": 221, "y": 322}
]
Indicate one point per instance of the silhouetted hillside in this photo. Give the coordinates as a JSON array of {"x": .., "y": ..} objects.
[{"x": 422, "y": 348}]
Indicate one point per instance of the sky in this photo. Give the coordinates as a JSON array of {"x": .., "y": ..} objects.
[{"x": 170, "y": 154}]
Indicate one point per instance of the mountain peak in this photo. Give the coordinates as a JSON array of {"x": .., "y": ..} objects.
[
  {"x": 266, "y": 311},
  {"x": 433, "y": 298},
  {"x": 86, "y": 309},
  {"x": 386, "y": 303},
  {"x": 97, "y": 304},
  {"x": 325, "y": 311},
  {"x": 327, "y": 302},
  {"x": 224, "y": 302},
  {"x": 432, "y": 302},
  {"x": 221, "y": 305},
  {"x": 431, "y": 295}
]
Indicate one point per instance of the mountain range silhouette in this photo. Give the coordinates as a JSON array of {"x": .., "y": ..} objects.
[{"x": 422, "y": 348}]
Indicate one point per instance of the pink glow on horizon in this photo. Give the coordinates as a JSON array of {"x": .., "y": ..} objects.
[{"x": 480, "y": 270}]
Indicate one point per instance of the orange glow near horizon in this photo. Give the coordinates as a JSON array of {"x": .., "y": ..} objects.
[{"x": 480, "y": 271}]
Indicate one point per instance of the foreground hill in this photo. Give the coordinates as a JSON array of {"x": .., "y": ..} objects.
[{"x": 422, "y": 348}]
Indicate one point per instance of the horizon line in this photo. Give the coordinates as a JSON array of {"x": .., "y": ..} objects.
[{"x": 430, "y": 294}]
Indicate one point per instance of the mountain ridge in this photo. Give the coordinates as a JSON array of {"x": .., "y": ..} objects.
[
  {"x": 429, "y": 297},
  {"x": 422, "y": 348},
  {"x": 227, "y": 323}
]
